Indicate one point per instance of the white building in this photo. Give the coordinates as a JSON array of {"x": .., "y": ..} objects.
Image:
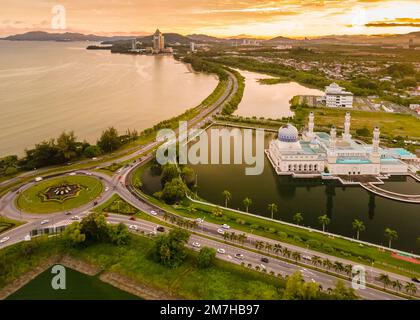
[
  {"x": 337, "y": 97},
  {"x": 319, "y": 152}
]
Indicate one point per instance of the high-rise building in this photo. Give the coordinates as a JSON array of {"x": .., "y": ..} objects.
[{"x": 158, "y": 41}]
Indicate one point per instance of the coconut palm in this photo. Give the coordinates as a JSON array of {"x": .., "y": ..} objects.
[
  {"x": 358, "y": 226},
  {"x": 298, "y": 218},
  {"x": 247, "y": 203},
  {"x": 348, "y": 269},
  {"x": 296, "y": 256},
  {"x": 228, "y": 196},
  {"x": 272, "y": 207},
  {"x": 410, "y": 288},
  {"x": 277, "y": 248},
  {"x": 391, "y": 235},
  {"x": 397, "y": 285},
  {"x": 324, "y": 221},
  {"x": 327, "y": 264},
  {"x": 268, "y": 246},
  {"x": 338, "y": 266},
  {"x": 242, "y": 238},
  {"x": 316, "y": 261},
  {"x": 384, "y": 278},
  {"x": 259, "y": 245},
  {"x": 287, "y": 253}
]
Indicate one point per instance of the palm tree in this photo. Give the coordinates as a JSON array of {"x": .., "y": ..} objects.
[
  {"x": 324, "y": 221},
  {"x": 259, "y": 245},
  {"x": 348, "y": 269},
  {"x": 410, "y": 288},
  {"x": 358, "y": 226},
  {"x": 391, "y": 235},
  {"x": 338, "y": 266},
  {"x": 316, "y": 260},
  {"x": 165, "y": 216},
  {"x": 277, "y": 248},
  {"x": 384, "y": 278},
  {"x": 247, "y": 203},
  {"x": 228, "y": 196},
  {"x": 397, "y": 285},
  {"x": 327, "y": 264},
  {"x": 296, "y": 256},
  {"x": 257, "y": 268},
  {"x": 272, "y": 207},
  {"x": 268, "y": 246},
  {"x": 298, "y": 218},
  {"x": 286, "y": 252},
  {"x": 242, "y": 238}
]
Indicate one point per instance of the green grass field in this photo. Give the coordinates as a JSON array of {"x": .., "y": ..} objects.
[
  {"x": 391, "y": 124},
  {"x": 32, "y": 202},
  {"x": 7, "y": 224}
]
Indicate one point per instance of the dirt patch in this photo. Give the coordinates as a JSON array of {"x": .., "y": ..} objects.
[{"x": 135, "y": 288}]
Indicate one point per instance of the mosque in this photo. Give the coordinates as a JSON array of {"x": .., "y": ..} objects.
[{"x": 319, "y": 153}]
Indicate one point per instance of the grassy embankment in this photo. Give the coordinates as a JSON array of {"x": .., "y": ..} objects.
[
  {"x": 7, "y": 224},
  {"x": 221, "y": 281}
]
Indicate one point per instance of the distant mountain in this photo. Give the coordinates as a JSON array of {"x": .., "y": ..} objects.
[
  {"x": 45, "y": 36},
  {"x": 205, "y": 38},
  {"x": 282, "y": 40},
  {"x": 170, "y": 38}
]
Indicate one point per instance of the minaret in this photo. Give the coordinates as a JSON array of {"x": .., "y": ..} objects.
[
  {"x": 311, "y": 126},
  {"x": 333, "y": 139},
  {"x": 347, "y": 123},
  {"x": 375, "y": 156},
  {"x": 332, "y": 156}
]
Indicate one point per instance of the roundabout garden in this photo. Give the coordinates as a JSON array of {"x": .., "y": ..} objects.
[{"x": 59, "y": 194}]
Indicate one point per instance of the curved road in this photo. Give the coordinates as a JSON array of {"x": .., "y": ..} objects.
[{"x": 206, "y": 234}]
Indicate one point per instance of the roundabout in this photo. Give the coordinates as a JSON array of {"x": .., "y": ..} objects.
[{"x": 59, "y": 194}]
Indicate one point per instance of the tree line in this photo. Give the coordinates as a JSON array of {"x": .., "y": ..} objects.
[{"x": 64, "y": 149}]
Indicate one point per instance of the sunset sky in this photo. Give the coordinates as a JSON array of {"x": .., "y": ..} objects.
[{"x": 293, "y": 18}]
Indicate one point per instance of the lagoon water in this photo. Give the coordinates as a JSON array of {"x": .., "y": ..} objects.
[
  {"x": 48, "y": 87},
  {"x": 269, "y": 101},
  {"x": 312, "y": 198}
]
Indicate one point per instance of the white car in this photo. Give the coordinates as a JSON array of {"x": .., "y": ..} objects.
[
  {"x": 153, "y": 213},
  {"x": 4, "y": 239},
  {"x": 72, "y": 174},
  {"x": 199, "y": 220},
  {"x": 133, "y": 227},
  {"x": 27, "y": 238},
  {"x": 220, "y": 231},
  {"x": 225, "y": 226},
  {"x": 44, "y": 222},
  {"x": 106, "y": 189},
  {"x": 221, "y": 251},
  {"x": 75, "y": 218},
  {"x": 196, "y": 245},
  {"x": 89, "y": 173},
  {"x": 239, "y": 256}
]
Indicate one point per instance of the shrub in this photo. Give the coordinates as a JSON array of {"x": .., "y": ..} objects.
[
  {"x": 282, "y": 235},
  {"x": 313, "y": 243}
]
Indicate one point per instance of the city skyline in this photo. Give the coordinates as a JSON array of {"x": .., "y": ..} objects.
[{"x": 292, "y": 18}]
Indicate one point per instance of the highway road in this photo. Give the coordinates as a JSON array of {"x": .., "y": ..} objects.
[{"x": 120, "y": 181}]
